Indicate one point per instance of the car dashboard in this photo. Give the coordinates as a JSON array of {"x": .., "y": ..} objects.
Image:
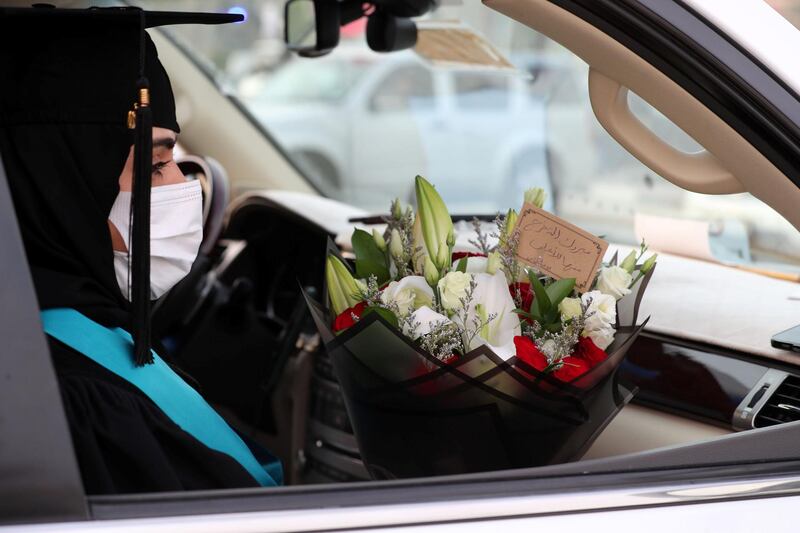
[{"x": 687, "y": 390}]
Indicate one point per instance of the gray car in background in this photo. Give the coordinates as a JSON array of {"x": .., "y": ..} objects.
[{"x": 367, "y": 118}]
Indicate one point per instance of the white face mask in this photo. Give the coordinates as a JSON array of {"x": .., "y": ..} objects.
[{"x": 176, "y": 230}]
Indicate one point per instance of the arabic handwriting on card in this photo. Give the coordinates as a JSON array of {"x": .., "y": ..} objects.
[{"x": 557, "y": 248}]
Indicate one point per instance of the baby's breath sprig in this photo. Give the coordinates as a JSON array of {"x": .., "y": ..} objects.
[
  {"x": 508, "y": 243},
  {"x": 555, "y": 346},
  {"x": 481, "y": 240},
  {"x": 443, "y": 341},
  {"x": 372, "y": 292}
]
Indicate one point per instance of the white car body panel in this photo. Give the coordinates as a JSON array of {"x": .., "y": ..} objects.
[{"x": 600, "y": 511}]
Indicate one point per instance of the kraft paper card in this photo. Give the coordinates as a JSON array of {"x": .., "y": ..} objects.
[{"x": 557, "y": 248}]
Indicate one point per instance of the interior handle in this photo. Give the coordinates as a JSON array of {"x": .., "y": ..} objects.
[{"x": 698, "y": 172}]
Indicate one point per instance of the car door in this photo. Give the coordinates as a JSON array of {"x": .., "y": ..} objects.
[{"x": 745, "y": 481}]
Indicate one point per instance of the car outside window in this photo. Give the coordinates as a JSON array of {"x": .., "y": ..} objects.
[
  {"x": 302, "y": 81},
  {"x": 362, "y": 124},
  {"x": 406, "y": 88},
  {"x": 479, "y": 90}
]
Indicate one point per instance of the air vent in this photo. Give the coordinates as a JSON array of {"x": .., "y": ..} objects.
[{"x": 782, "y": 406}]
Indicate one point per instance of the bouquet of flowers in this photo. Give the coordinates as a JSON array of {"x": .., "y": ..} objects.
[{"x": 455, "y": 361}]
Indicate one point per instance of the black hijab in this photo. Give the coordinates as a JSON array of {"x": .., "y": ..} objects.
[{"x": 69, "y": 80}]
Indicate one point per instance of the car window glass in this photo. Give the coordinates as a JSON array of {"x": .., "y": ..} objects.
[
  {"x": 535, "y": 128},
  {"x": 480, "y": 90},
  {"x": 406, "y": 88},
  {"x": 302, "y": 80}
]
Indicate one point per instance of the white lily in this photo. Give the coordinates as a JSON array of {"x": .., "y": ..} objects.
[
  {"x": 475, "y": 264},
  {"x": 424, "y": 321},
  {"x": 491, "y": 298}
]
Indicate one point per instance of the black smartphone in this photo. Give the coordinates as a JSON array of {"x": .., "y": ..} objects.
[{"x": 787, "y": 340}]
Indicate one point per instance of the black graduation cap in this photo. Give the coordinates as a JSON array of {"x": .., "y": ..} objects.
[{"x": 98, "y": 65}]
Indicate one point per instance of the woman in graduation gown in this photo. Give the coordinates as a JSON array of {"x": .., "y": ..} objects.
[{"x": 70, "y": 79}]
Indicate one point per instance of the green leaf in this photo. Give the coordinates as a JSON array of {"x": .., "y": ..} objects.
[
  {"x": 462, "y": 265},
  {"x": 552, "y": 316},
  {"x": 553, "y": 327},
  {"x": 383, "y": 313},
  {"x": 370, "y": 260},
  {"x": 559, "y": 290},
  {"x": 541, "y": 303}
]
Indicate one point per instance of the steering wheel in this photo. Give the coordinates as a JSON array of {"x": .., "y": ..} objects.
[{"x": 216, "y": 194}]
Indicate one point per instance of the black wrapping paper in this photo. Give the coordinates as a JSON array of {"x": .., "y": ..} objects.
[{"x": 414, "y": 415}]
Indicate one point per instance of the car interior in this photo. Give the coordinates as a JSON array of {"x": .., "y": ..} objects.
[{"x": 239, "y": 326}]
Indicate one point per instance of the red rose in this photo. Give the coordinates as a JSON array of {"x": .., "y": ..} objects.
[
  {"x": 528, "y": 352},
  {"x": 461, "y": 255},
  {"x": 588, "y": 351},
  {"x": 524, "y": 291},
  {"x": 571, "y": 368},
  {"x": 450, "y": 358},
  {"x": 345, "y": 320}
]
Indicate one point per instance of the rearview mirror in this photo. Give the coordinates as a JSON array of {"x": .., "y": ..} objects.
[{"x": 311, "y": 26}]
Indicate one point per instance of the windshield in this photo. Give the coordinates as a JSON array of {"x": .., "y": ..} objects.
[
  {"x": 361, "y": 125},
  {"x": 301, "y": 81}
]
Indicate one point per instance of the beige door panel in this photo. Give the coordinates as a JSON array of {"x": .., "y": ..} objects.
[
  {"x": 698, "y": 172},
  {"x": 638, "y": 429}
]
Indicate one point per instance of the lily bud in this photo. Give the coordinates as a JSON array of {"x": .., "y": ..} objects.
[
  {"x": 377, "y": 236},
  {"x": 511, "y": 223},
  {"x": 493, "y": 263},
  {"x": 648, "y": 265},
  {"x": 396, "y": 245},
  {"x": 535, "y": 196},
  {"x": 629, "y": 263},
  {"x": 397, "y": 209},
  {"x": 431, "y": 272},
  {"x": 443, "y": 257},
  {"x": 343, "y": 291},
  {"x": 437, "y": 226}
]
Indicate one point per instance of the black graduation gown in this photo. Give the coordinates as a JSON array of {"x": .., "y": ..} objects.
[
  {"x": 125, "y": 443},
  {"x": 64, "y": 141}
]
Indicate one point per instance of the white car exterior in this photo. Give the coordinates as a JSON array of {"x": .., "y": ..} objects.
[{"x": 368, "y": 121}]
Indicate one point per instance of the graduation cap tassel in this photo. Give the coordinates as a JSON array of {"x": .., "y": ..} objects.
[
  {"x": 140, "y": 250},
  {"x": 140, "y": 232}
]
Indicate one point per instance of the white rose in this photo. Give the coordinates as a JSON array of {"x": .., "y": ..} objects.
[
  {"x": 409, "y": 293},
  {"x": 601, "y": 337},
  {"x": 570, "y": 308},
  {"x": 601, "y": 314},
  {"x": 424, "y": 320},
  {"x": 601, "y": 309},
  {"x": 453, "y": 289},
  {"x": 614, "y": 281}
]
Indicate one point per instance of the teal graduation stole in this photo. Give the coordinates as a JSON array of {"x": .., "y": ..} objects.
[{"x": 111, "y": 348}]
